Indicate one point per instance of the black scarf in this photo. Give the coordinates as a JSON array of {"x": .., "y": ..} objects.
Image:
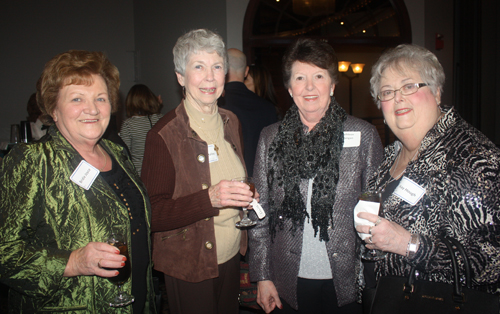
[{"x": 294, "y": 155}]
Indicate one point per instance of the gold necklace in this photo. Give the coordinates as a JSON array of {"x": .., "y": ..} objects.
[
  {"x": 216, "y": 148},
  {"x": 397, "y": 163},
  {"x": 105, "y": 159}
]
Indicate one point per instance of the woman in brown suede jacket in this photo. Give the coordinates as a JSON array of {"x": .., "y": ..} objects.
[{"x": 191, "y": 155}]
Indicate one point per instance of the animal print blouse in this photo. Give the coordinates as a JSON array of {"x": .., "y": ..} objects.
[{"x": 459, "y": 169}]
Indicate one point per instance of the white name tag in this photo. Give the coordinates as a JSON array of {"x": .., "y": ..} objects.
[
  {"x": 212, "y": 154},
  {"x": 352, "y": 139},
  {"x": 258, "y": 209},
  {"x": 84, "y": 175},
  {"x": 409, "y": 191}
]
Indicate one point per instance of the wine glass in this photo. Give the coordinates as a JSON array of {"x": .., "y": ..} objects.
[
  {"x": 117, "y": 239},
  {"x": 371, "y": 203},
  {"x": 245, "y": 221}
]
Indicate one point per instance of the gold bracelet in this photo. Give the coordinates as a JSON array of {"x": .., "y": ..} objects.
[{"x": 413, "y": 246}]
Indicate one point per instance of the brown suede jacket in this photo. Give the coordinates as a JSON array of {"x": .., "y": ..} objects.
[{"x": 176, "y": 173}]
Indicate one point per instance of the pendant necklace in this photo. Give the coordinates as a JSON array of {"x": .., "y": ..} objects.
[
  {"x": 105, "y": 159},
  {"x": 397, "y": 163}
]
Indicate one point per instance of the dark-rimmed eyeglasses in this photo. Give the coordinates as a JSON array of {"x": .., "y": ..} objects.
[{"x": 405, "y": 90}]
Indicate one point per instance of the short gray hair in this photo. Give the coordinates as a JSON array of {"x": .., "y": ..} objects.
[
  {"x": 195, "y": 41},
  {"x": 406, "y": 58}
]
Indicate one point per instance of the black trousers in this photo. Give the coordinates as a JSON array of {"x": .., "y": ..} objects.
[
  {"x": 318, "y": 297},
  {"x": 212, "y": 296}
]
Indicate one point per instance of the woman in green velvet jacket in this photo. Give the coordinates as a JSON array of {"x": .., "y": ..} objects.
[{"x": 60, "y": 197}]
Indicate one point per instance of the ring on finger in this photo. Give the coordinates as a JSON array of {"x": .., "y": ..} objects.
[
  {"x": 379, "y": 220},
  {"x": 99, "y": 263},
  {"x": 370, "y": 230},
  {"x": 370, "y": 240}
]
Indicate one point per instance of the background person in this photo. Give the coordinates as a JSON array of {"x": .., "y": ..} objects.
[
  {"x": 451, "y": 164},
  {"x": 254, "y": 112},
  {"x": 259, "y": 80},
  {"x": 38, "y": 129},
  {"x": 191, "y": 155},
  {"x": 143, "y": 111},
  {"x": 53, "y": 221},
  {"x": 304, "y": 254}
]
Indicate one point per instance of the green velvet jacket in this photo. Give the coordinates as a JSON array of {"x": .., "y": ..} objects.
[{"x": 44, "y": 216}]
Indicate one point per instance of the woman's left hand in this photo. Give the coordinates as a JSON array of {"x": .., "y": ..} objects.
[{"x": 387, "y": 236}]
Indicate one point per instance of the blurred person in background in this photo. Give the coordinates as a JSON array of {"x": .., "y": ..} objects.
[
  {"x": 143, "y": 111},
  {"x": 254, "y": 112},
  {"x": 259, "y": 80}
]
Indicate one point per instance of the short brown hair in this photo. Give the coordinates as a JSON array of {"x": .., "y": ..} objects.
[
  {"x": 141, "y": 101},
  {"x": 312, "y": 51},
  {"x": 74, "y": 67}
]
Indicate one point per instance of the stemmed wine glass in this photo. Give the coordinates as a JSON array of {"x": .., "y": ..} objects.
[
  {"x": 371, "y": 203},
  {"x": 245, "y": 221},
  {"x": 123, "y": 298}
]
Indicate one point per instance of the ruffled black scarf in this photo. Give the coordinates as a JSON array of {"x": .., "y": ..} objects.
[{"x": 296, "y": 154}]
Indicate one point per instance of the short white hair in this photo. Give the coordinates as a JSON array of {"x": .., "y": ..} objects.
[{"x": 196, "y": 41}]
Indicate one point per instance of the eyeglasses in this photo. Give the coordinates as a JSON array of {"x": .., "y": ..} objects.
[{"x": 405, "y": 90}]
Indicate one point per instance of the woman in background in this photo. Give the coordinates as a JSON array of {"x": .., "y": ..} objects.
[
  {"x": 259, "y": 81},
  {"x": 38, "y": 129},
  {"x": 143, "y": 111}
]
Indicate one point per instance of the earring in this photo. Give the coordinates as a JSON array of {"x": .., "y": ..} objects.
[
  {"x": 385, "y": 122},
  {"x": 184, "y": 91},
  {"x": 291, "y": 95},
  {"x": 331, "y": 93}
]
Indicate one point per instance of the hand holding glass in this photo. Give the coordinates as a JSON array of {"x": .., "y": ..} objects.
[
  {"x": 123, "y": 298},
  {"x": 370, "y": 203},
  {"x": 245, "y": 221}
]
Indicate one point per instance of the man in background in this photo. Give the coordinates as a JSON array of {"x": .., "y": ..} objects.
[{"x": 254, "y": 112}]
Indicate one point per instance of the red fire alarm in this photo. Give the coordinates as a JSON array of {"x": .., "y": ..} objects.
[{"x": 439, "y": 41}]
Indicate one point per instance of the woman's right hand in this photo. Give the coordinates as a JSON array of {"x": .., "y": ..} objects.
[
  {"x": 230, "y": 194},
  {"x": 90, "y": 260},
  {"x": 267, "y": 296}
]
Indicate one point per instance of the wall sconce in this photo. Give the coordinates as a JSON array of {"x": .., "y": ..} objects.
[
  {"x": 344, "y": 66},
  {"x": 357, "y": 69}
]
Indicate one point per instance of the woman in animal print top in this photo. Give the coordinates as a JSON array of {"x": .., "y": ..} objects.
[{"x": 440, "y": 179}]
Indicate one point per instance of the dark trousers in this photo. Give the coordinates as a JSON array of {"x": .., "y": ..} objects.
[
  {"x": 318, "y": 297},
  {"x": 212, "y": 296}
]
